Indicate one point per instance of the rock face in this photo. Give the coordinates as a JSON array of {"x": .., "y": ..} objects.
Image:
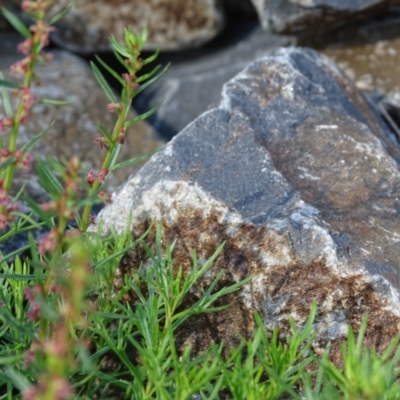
[
  {"x": 75, "y": 125},
  {"x": 300, "y": 178},
  {"x": 299, "y": 16},
  {"x": 188, "y": 88},
  {"x": 171, "y": 24}
]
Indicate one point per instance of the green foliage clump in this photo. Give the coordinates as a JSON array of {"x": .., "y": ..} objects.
[{"x": 66, "y": 333}]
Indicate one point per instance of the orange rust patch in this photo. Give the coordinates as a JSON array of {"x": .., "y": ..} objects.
[
  {"x": 351, "y": 295},
  {"x": 297, "y": 285}
]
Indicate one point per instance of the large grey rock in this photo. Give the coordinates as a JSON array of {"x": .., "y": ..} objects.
[
  {"x": 190, "y": 87},
  {"x": 315, "y": 16},
  {"x": 296, "y": 173},
  {"x": 75, "y": 125},
  {"x": 171, "y": 24}
]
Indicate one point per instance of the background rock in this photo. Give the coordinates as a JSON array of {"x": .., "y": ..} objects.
[
  {"x": 75, "y": 125},
  {"x": 315, "y": 16},
  {"x": 369, "y": 53},
  {"x": 300, "y": 178},
  {"x": 171, "y": 24}
]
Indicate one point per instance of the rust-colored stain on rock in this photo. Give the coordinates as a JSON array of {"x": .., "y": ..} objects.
[
  {"x": 294, "y": 174},
  {"x": 299, "y": 285}
]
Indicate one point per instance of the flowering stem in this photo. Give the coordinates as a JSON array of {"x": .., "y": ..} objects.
[
  {"x": 60, "y": 233},
  {"x": 26, "y": 67},
  {"x": 105, "y": 166},
  {"x": 129, "y": 56},
  {"x": 8, "y": 178}
]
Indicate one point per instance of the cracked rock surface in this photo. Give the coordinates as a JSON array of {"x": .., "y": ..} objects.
[{"x": 300, "y": 178}]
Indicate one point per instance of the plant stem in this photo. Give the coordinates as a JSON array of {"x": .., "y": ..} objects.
[
  {"x": 107, "y": 160},
  {"x": 19, "y": 113}
]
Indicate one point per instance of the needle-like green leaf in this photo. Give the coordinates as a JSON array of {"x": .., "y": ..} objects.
[
  {"x": 103, "y": 83},
  {"x": 16, "y": 23}
]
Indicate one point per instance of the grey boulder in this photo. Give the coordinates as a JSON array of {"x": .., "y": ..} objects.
[
  {"x": 300, "y": 177},
  {"x": 190, "y": 87},
  {"x": 316, "y": 16},
  {"x": 171, "y": 24}
]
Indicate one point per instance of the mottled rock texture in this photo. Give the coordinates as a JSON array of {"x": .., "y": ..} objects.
[
  {"x": 75, "y": 125},
  {"x": 190, "y": 87},
  {"x": 313, "y": 16},
  {"x": 300, "y": 178},
  {"x": 171, "y": 24}
]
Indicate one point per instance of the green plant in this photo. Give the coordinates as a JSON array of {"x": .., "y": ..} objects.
[
  {"x": 66, "y": 333},
  {"x": 364, "y": 374},
  {"x": 270, "y": 368},
  {"x": 148, "y": 329},
  {"x": 52, "y": 291}
]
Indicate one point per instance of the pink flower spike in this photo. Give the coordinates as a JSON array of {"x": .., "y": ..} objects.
[
  {"x": 23, "y": 119},
  {"x": 54, "y": 347},
  {"x": 102, "y": 142},
  {"x": 105, "y": 197},
  {"x": 29, "y": 295},
  {"x": 48, "y": 243},
  {"x": 102, "y": 175},
  {"x": 42, "y": 26},
  {"x": 31, "y": 393},
  {"x": 5, "y": 123},
  {"x": 63, "y": 389},
  {"x": 31, "y": 353},
  {"x": 114, "y": 107},
  {"x": 73, "y": 233},
  {"x": 29, "y": 357},
  {"x": 3, "y": 223},
  {"x": 89, "y": 268},
  {"x": 74, "y": 164},
  {"x": 121, "y": 135},
  {"x": 27, "y": 98},
  {"x": 34, "y": 7},
  {"x": 121, "y": 139},
  {"x": 26, "y": 46},
  {"x": 48, "y": 207},
  {"x": 28, "y": 6},
  {"x": 21, "y": 67},
  {"x": 27, "y": 162},
  {"x": 91, "y": 177},
  {"x": 33, "y": 312},
  {"x": 45, "y": 58},
  {"x": 128, "y": 77},
  {"x": 31, "y": 292}
]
